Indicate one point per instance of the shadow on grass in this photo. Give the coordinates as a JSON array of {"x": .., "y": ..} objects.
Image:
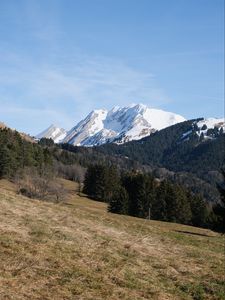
[{"x": 193, "y": 233}]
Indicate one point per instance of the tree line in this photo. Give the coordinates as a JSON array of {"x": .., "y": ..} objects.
[
  {"x": 185, "y": 155},
  {"x": 34, "y": 167},
  {"x": 17, "y": 153},
  {"x": 134, "y": 193},
  {"x": 141, "y": 195}
]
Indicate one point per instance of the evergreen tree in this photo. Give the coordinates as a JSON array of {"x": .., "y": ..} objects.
[
  {"x": 199, "y": 210},
  {"x": 111, "y": 181},
  {"x": 46, "y": 142},
  {"x": 89, "y": 181},
  {"x": 183, "y": 213},
  {"x": 159, "y": 206},
  {"x": 172, "y": 205},
  {"x": 5, "y": 162},
  {"x": 219, "y": 208},
  {"x": 39, "y": 157},
  {"x": 144, "y": 194},
  {"x": 130, "y": 183},
  {"x": 100, "y": 182},
  {"x": 118, "y": 202}
]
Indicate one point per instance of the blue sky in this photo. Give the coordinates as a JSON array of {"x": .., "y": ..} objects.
[{"x": 59, "y": 59}]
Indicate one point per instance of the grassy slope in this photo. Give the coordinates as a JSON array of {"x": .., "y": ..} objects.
[{"x": 79, "y": 251}]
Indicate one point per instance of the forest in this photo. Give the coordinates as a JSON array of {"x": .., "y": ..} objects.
[
  {"x": 127, "y": 186},
  {"x": 141, "y": 195}
]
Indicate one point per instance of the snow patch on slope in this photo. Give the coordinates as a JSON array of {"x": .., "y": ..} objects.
[
  {"x": 205, "y": 125},
  {"x": 212, "y": 123},
  {"x": 206, "y": 129}
]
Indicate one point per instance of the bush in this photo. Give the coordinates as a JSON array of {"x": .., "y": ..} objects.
[{"x": 41, "y": 184}]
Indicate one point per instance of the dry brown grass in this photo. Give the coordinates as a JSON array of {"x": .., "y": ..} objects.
[{"x": 76, "y": 250}]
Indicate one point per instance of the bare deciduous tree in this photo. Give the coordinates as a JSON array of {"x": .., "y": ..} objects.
[{"x": 40, "y": 184}]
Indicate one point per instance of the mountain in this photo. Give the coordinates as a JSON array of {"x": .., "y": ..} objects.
[
  {"x": 53, "y": 132},
  {"x": 206, "y": 128},
  {"x": 191, "y": 153},
  {"x": 120, "y": 125},
  {"x": 172, "y": 141},
  {"x": 87, "y": 128}
]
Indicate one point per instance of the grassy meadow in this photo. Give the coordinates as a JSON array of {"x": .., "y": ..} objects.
[{"x": 77, "y": 250}]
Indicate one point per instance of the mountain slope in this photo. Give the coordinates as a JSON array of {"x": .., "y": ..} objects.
[
  {"x": 191, "y": 156},
  {"x": 77, "y": 250},
  {"x": 23, "y": 135},
  {"x": 53, "y": 132},
  {"x": 174, "y": 147},
  {"x": 86, "y": 128},
  {"x": 121, "y": 124}
]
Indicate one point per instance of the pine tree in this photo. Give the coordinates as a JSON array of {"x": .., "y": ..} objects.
[
  {"x": 171, "y": 203},
  {"x": 199, "y": 210},
  {"x": 111, "y": 181},
  {"x": 145, "y": 194},
  {"x": 46, "y": 142},
  {"x": 5, "y": 162},
  {"x": 130, "y": 184},
  {"x": 219, "y": 208},
  {"x": 97, "y": 183},
  {"x": 183, "y": 209},
  {"x": 89, "y": 181},
  {"x": 118, "y": 202},
  {"x": 159, "y": 207}
]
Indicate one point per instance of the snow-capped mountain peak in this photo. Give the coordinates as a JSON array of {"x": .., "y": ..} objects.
[
  {"x": 53, "y": 132},
  {"x": 120, "y": 124},
  {"x": 86, "y": 128}
]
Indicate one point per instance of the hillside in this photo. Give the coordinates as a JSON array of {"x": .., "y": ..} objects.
[
  {"x": 23, "y": 135},
  {"x": 194, "y": 164},
  {"x": 191, "y": 158},
  {"x": 76, "y": 250},
  {"x": 168, "y": 148}
]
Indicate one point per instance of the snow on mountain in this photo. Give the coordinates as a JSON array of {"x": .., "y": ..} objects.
[
  {"x": 86, "y": 128},
  {"x": 53, "y": 132},
  {"x": 121, "y": 124},
  {"x": 211, "y": 123},
  {"x": 210, "y": 128},
  {"x": 206, "y": 128}
]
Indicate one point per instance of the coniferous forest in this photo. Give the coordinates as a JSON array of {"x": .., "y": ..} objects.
[
  {"x": 141, "y": 195},
  {"x": 128, "y": 186}
]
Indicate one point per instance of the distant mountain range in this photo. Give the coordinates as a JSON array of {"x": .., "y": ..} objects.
[
  {"x": 190, "y": 153},
  {"x": 119, "y": 125}
]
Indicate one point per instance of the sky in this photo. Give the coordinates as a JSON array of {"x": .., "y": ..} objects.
[{"x": 60, "y": 59}]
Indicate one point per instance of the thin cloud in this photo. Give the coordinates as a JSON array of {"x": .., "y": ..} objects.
[
  {"x": 79, "y": 81},
  {"x": 75, "y": 89}
]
